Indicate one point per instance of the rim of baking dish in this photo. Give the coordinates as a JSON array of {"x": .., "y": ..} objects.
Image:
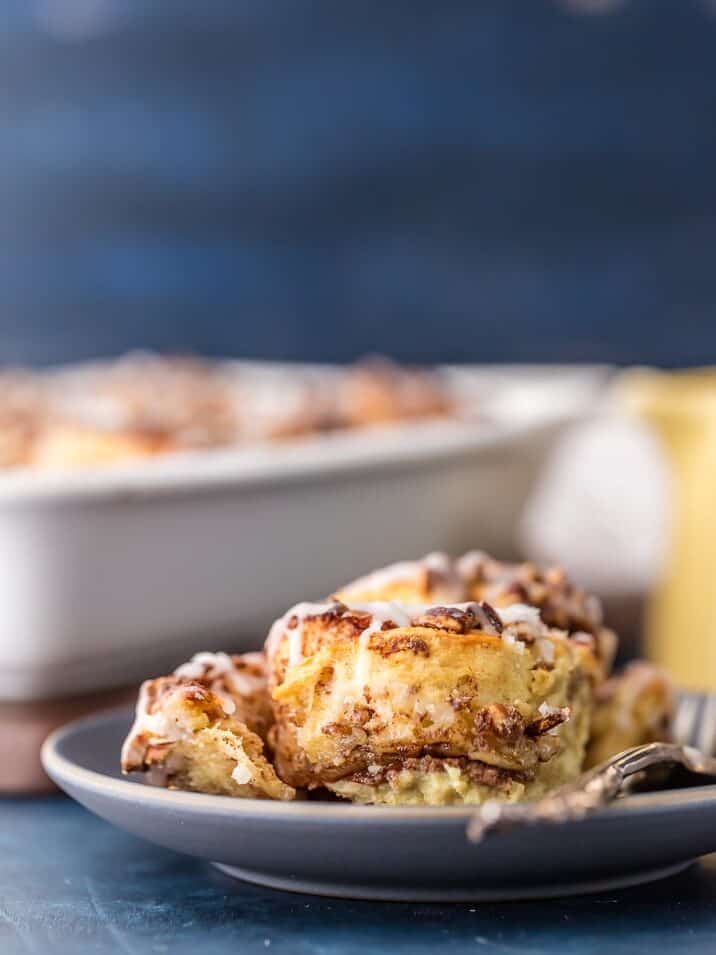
[{"x": 374, "y": 449}]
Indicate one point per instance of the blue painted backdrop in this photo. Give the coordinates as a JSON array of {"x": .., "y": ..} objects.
[{"x": 487, "y": 179}]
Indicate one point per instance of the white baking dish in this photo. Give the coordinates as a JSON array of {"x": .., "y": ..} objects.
[{"x": 108, "y": 576}]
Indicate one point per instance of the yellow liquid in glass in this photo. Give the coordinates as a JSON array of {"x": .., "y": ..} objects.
[{"x": 681, "y": 616}]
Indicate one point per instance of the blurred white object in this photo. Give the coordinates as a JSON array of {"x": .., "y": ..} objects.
[
  {"x": 600, "y": 508},
  {"x": 526, "y": 393},
  {"x": 108, "y": 576}
]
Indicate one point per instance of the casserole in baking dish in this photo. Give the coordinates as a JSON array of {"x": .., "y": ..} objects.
[{"x": 107, "y": 574}]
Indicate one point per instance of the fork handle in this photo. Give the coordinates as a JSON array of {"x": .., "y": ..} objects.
[{"x": 593, "y": 790}]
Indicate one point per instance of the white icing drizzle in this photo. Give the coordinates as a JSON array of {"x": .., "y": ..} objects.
[
  {"x": 385, "y": 611},
  {"x": 295, "y": 645},
  {"x": 227, "y": 704},
  {"x": 155, "y": 726},
  {"x": 241, "y": 774},
  {"x": 205, "y": 666},
  {"x": 381, "y": 613},
  {"x": 512, "y": 642},
  {"x": 379, "y": 616},
  {"x": 481, "y": 616},
  {"x": 361, "y": 671},
  {"x": 300, "y": 611},
  {"x": 545, "y": 649},
  {"x": 522, "y": 613},
  {"x": 469, "y": 564},
  {"x": 219, "y": 668}
]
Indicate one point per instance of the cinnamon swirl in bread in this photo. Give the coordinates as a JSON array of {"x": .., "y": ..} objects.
[{"x": 388, "y": 703}]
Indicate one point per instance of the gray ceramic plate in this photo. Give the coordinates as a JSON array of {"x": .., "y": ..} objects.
[{"x": 384, "y": 853}]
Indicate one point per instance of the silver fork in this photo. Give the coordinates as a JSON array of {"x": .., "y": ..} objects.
[{"x": 694, "y": 726}]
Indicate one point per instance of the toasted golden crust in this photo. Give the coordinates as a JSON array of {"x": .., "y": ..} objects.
[
  {"x": 636, "y": 706},
  {"x": 358, "y": 690},
  {"x": 186, "y": 737},
  {"x": 431, "y": 580},
  {"x": 476, "y": 576}
]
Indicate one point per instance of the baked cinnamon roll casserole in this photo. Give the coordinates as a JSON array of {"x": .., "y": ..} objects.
[
  {"x": 143, "y": 406},
  {"x": 430, "y": 682}
]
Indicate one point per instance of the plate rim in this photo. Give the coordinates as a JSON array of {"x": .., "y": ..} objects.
[{"x": 61, "y": 769}]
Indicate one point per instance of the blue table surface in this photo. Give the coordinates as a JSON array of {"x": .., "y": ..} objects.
[{"x": 70, "y": 882}]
